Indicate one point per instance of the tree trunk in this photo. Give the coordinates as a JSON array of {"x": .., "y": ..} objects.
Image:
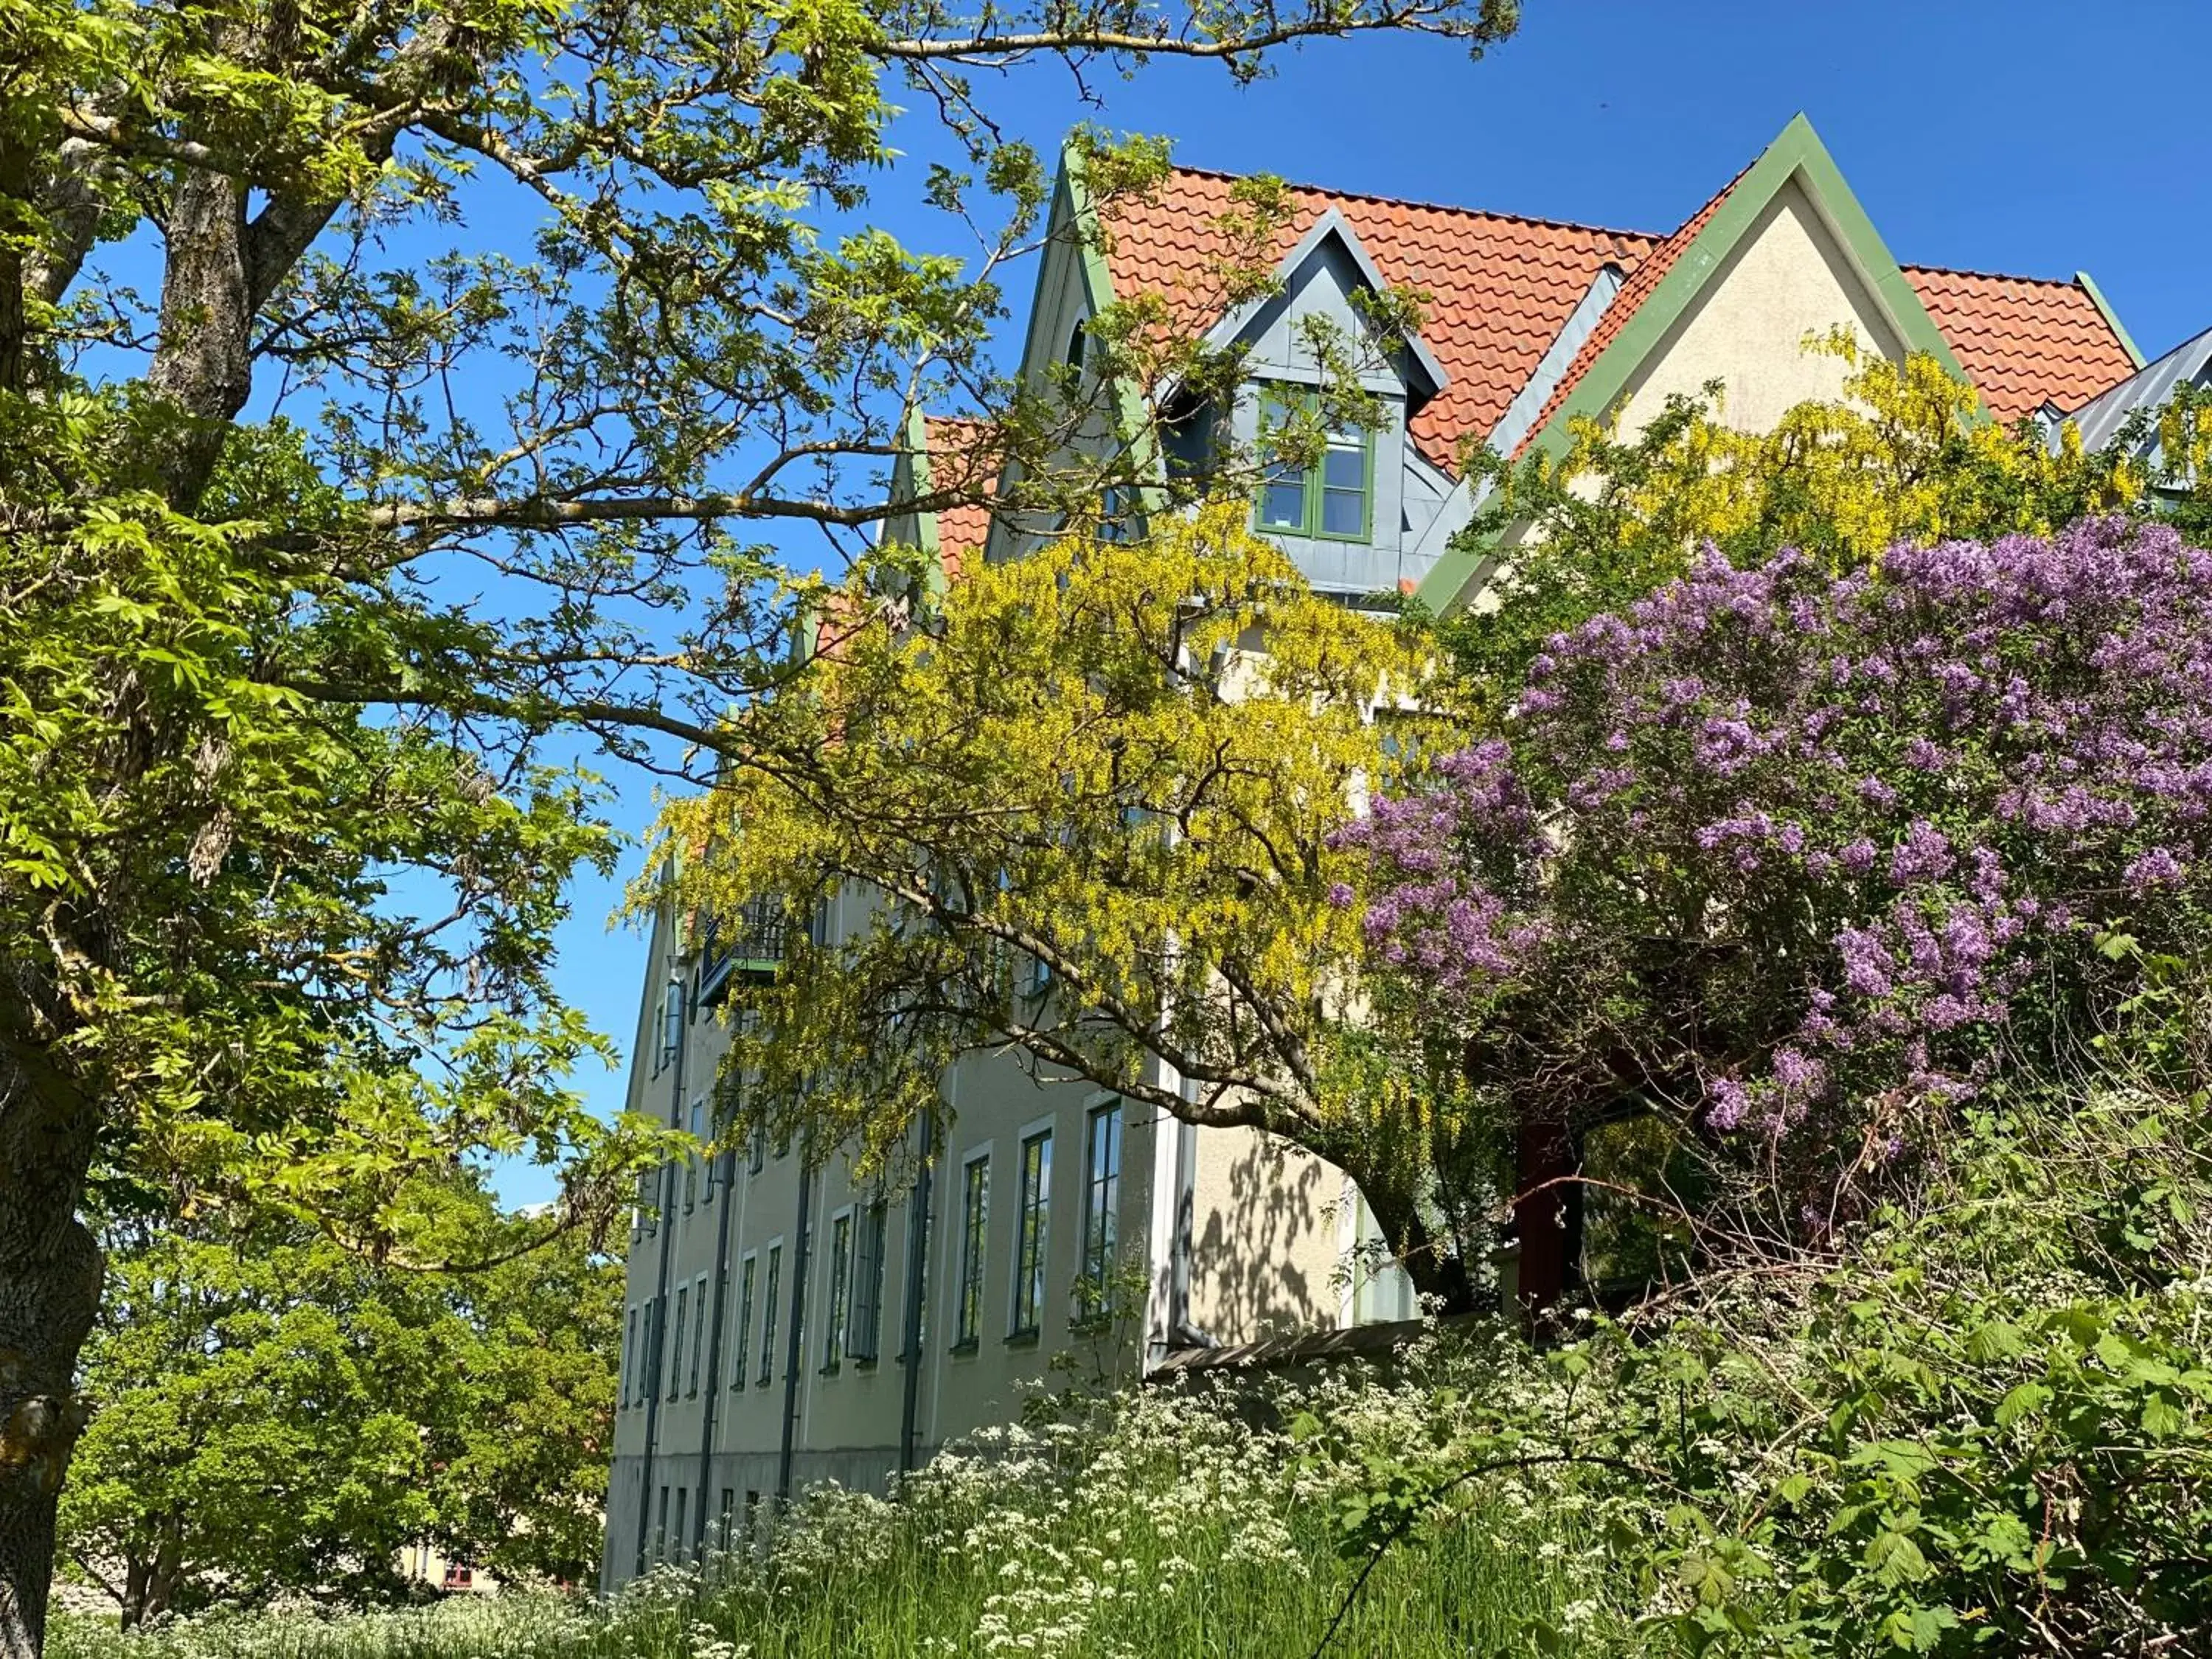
[
  {"x": 203, "y": 359},
  {"x": 151, "y": 1589},
  {"x": 50, "y": 1274}
]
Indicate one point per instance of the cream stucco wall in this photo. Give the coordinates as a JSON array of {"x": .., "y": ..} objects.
[{"x": 1788, "y": 279}]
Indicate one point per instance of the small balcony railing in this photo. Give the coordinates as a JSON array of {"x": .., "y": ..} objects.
[{"x": 748, "y": 945}]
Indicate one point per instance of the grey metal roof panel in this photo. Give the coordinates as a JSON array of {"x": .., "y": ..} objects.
[{"x": 2149, "y": 387}]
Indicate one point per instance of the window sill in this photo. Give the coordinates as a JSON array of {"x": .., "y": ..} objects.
[
  {"x": 1027, "y": 1339},
  {"x": 762, "y": 1382},
  {"x": 1091, "y": 1324},
  {"x": 831, "y": 1368},
  {"x": 963, "y": 1348},
  {"x": 867, "y": 1364}
]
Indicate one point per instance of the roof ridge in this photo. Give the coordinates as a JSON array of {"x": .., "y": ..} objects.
[
  {"x": 1654, "y": 237},
  {"x": 1990, "y": 276}
]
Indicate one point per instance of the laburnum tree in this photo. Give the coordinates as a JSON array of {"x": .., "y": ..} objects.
[
  {"x": 1077, "y": 810},
  {"x": 1800, "y": 862},
  {"x": 275, "y": 1411},
  {"x": 575, "y": 306}
]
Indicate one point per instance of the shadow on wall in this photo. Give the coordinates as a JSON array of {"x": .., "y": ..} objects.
[{"x": 1265, "y": 1253}]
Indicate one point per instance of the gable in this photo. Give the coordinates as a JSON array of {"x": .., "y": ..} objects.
[
  {"x": 1500, "y": 288},
  {"x": 1322, "y": 287},
  {"x": 1789, "y": 279}
]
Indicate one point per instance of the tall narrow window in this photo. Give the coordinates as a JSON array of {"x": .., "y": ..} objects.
[
  {"x": 975, "y": 1224},
  {"x": 841, "y": 1290},
  {"x": 676, "y": 1348},
  {"x": 698, "y": 1331},
  {"x": 862, "y": 1340},
  {"x": 1334, "y": 498},
  {"x": 741, "y": 1338},
  {"x": 626, "y": 1378},
  {"x": 678, "y": 1541},
  {"x": 672, "y": 1026},
  {"x": 918, "y": 1284},
  {"x": 699, "y": 1134},
  {"x": 660, "y": 1531},
  {"x": 1029, "y": 1240},
  {"x": 769, "y": 1287},
  {"x": 1102, "y": 1206},
  {"x": 756, "y": 1151}
]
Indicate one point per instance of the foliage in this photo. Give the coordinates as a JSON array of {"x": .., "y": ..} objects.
[
  {"x": 1803, "y": 861},
  {"x": 1067, "y": 811},
  {"x": 391, "y": 396},
  {"x": 1904, "y": 455},
  {"x": 274, "y": 1412},
  {"x": 1985, "y": 1427}
]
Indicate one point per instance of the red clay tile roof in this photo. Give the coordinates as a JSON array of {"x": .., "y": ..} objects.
[
  {"x": 962, "y": 457},
  {"x": 2024, "y": 342},
  {"x": 1626, "y": 303},
  {"x": 1499, "y": 288}
]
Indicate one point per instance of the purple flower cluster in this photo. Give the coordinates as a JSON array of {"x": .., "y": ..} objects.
[{"x": 1813, "y": 841}]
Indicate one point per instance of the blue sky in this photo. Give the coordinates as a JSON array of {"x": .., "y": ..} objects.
[{"x": 2030, "y": 137}]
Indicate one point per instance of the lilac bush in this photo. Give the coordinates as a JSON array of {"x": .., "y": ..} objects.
[{"x": 1806, "y": 859}]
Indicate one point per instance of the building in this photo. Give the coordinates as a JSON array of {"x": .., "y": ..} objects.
[{"x": 785, "y": 1328}]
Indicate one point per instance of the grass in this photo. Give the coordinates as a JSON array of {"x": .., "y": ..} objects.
[{"x": 1154, "y": 1527}]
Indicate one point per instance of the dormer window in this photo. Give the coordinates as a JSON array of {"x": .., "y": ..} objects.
[{"x": 1332, "y": 499}]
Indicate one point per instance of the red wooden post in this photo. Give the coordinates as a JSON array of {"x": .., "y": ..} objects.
[{"x": 1547, "y": 1215}]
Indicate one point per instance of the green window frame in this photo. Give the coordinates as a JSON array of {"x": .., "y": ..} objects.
[
  {"x": 676, "y": 1348},
  {"x": 974, "y": 1226},
  {"x": 743, "y": 1336},
  {"x": 1102, "y": 1204},
  {"x": 1317, "y": 502},
  {"x": 1034, "y": 1211},
  {"x": 770, "y": 1284},
  {"x": 863, "y": 1334},
  {"x": 840, "y": 1290}
]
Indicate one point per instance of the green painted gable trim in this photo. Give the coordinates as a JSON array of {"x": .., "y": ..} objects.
[
  {"x": 916, "y": 438},
  {"x": 2111, "y": 317},
  {"x": 1132, "y": 420},
  {"x": 1796, "y": 153}
]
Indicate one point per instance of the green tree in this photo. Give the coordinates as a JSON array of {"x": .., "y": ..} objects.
[
  {"x": 569, "y": 305},
  {"x": 274, "y": 1412}
]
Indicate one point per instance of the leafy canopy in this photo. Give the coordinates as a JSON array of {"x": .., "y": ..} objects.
[
  {"x": 276, "y": 1413},
  {"x": 1905, "y": 455},
  {"x": 1072, "y": 809}
]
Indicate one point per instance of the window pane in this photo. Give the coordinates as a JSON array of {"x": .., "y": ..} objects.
[
  {"x": 841, "y": 1258},
  {"x": 769, "y": 1288},
  {"x": 1283, "y": 502},
  {"x": 1343, "y": 512},
  {"x": 744, "y": 1332},
  {"x": 1030, "y": 1259},
  {"x": 1101, "y": 1205},
  {"x": 975, "y": 1218}
]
